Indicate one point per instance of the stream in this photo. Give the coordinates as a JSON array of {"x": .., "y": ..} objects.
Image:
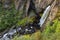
[{"x": 9, "y": 35}]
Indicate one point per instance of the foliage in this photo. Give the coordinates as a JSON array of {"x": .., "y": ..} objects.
[
  {"x": 10, "y": 17},
  {"x": 35, "y": 36},
  {"x": 52, "y": 32},
  {"x": 25, "y": 37},
  {"x": 7, "y": 17},
  {"x": 25, "y": 20}
]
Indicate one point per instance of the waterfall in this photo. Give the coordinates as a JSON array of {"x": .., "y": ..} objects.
[
  {"x": 44, "y": 16},
  {"x": 8, "y": 36}
]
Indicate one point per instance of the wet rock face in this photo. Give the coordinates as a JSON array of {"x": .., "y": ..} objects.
[
  {"x": 19, "y": 4},
  {"x": 42, "y": 4},
  {"x": 53, "y": 12},
  {"x": 20, "y": 30},
  {"x": 29, "y": 29},
  {"x": 6, "y": 4},
  {"x": 39, "y": 4},
  {"x": 26, "y": 30}
]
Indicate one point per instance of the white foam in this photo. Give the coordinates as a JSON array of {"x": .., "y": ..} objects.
[{"x": 44, "y": 16}]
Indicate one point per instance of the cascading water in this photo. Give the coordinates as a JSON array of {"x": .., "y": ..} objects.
[
  {"x": 44, "y": 16},
  {"x": 9, "y": 35}
]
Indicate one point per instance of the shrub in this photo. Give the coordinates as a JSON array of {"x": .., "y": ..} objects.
[
  {"x": 8, "y": 18},
  {"x": 35, "y": 36}
]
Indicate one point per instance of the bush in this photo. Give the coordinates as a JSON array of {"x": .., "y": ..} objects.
[
  {"x": 50, "y": 33},
  {"x": 11, "y": 17},
  {"x": 8, "y": 18}
]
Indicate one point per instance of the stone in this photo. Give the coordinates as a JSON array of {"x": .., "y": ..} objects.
[{"x": 6, "y": 4}]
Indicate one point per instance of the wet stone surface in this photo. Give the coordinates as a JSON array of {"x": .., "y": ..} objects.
[{"x": 22, "y": 31}]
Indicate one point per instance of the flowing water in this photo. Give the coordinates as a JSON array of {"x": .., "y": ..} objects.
[
  {"x": 44, "y": 16},
  {"x": 9, "y": 35}
]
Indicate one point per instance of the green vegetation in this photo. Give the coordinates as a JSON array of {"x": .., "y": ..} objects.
[
  {"x": 52, "y": 32},
  {"x": 35, "y": 36},
  {"x": 11, "y": 17},
  {"x": 7, "y": 17},
  {"x": 25, "y": 20}
]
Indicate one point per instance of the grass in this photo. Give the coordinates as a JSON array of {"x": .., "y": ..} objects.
[
  {"x": 50, "y": 33},
  {"x": 11, "y": 17},
  {"x": 28, "y": 37}
]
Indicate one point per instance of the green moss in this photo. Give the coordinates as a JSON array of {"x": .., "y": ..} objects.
[
  {"x": 35, "y": 36},
  {"x": 25, "y": 20},
  {"x": 50, "y": 33}
]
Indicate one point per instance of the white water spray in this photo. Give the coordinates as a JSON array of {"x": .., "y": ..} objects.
[{"x": 44, "y": 16}]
